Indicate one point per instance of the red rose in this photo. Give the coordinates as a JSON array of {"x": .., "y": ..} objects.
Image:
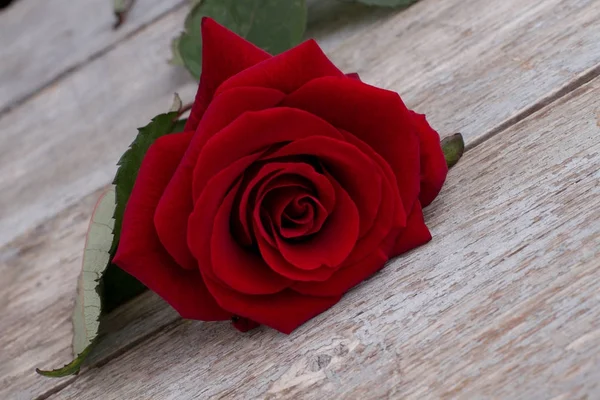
[{"x": 291, "y": 184}]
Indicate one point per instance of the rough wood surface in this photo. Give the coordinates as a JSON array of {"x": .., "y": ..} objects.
[
  {"x": 503, "y": 303},
  {"x": 469, "y": 66},
  {"x": 457, "y": 61},
  {"x": 42, "y": 40},
  {"x": 64, "y": 142},
  {"x": 39, "y": 279},
  {"x": 40, "y": 268},
  {"x": 472, "y": 65}
]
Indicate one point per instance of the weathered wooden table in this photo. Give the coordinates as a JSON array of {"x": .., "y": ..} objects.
[{"x": 503, "y": 303}]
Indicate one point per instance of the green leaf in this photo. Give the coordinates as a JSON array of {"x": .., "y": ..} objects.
[
  {"x": 130, "y": 163},
  {"x": 388, "y": 3},
  {"x": 118, "y": 287},
  {"x": 176, "y": 58},
  {"x": 190, "y": 51},
  {"x": 71, "y": 368},
  {"x": 96, "y": 256},
  {"x": 88, "y": 307},
  {"x": 179, "y": 125},
  {"x": 103, "y": 286},
  {"x": 453, "y": 147},
  {"x": 121, "y": 8},
  {"x": 273, "y": 25}
]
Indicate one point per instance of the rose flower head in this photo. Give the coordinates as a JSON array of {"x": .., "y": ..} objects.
[{"x": 291, "y": 183}]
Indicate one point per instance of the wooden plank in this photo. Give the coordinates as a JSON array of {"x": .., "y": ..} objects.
[
  {"x": 88, "y": 125},
  {"x": 465, "y": 78},
  {"x": 39, "y": 282},
  {"x": 41, "y": 266},
  {"x": 503, "y": 303},
  {"x": 81, "y": 127},
  {"x": 63, "y": 35},
  {"x": 473, "y": 67},
  {"x": 42, "y": 40},
  {"x": 82, "y": 124}
]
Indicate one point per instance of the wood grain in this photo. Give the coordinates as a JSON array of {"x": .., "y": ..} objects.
[
  {"x": 472, "y": 66},
  {"x": 38, "y": 288},
  {"x": 40, "y": 268},
  {"x": 43, "y": 40},
  {"x": 50, "y": 163},
  {"x": 64, "y": 143},
  {"x": 466, "y": 79},
  {"x": 503, "y": 303}
]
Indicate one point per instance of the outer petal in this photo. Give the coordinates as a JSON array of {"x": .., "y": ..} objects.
[
  {"x": 391, "y": 205},
  {"x": 414, "y": 235},
  {"x": 433, "y": 163},
  {"x": 284, "y": 311},
  {"x": 176, "y": 203},
  {"x": 219, "y": 65},
  {"x": 254, "y": 131},
  {"x": 345, "y": 278},
  {"x": 140, "y": 252},
  {"x": 377, "y": 117},
  {"x": 287, "y": 71}
]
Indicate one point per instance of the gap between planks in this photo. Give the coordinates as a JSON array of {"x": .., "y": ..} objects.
[{"x": 544, "y": 102}]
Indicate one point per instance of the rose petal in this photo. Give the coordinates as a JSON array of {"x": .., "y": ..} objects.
[
  {"x": 200, "y": 227},
  {"x": 140, "y": 252},
  {"x": 276, "y": 203},
  {"x": 306, "y": 224},
  {"x": 333, "y": 243},
  {"x": 376, "y": 116},
  {"x": 239, "y": 269},
  {"x": 284, "y": 311},
  {"x": 287, "y": 71},
  {"x": 254, "y": 131},
  {"x": 276, "y": 176},
  {"x": 176, "y": 204},
  {"x": 290, "y": 174},
  {"x": 345, "y": 278},
  {"x": 358, "y": 174},
  {"x": 433, "y": 162},
  {"x": 219, "y": 65},
  {"x": 268, "y": 177},
  {"x": 414, "y": 235},
  {"x": 275, "y": 260},
  {"x": 391, "y": 204}
]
